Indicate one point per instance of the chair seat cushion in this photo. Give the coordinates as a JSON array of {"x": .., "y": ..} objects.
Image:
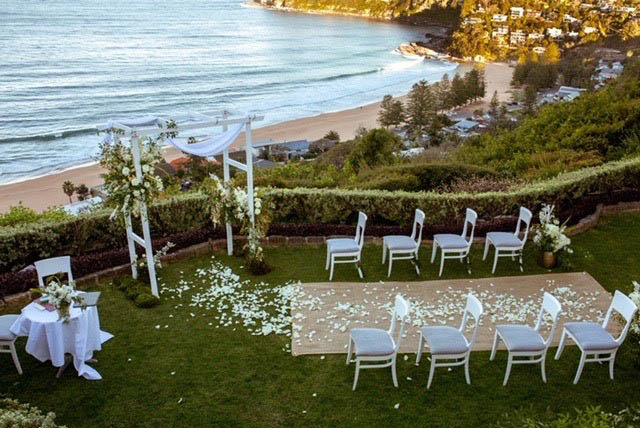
[
  {"x": 372, "y": 342},
  {"x": 342, "y": 245},
  {"x": 450, "y": 242},
  {"x": 397, "y": 242},
  {"x": 591, "y": 336},
  {"x": 6, "y": 321},
  {"x": 504, "y": 239},
  {"x": 444, "y": 340},
  {"x": 521, "y": 338}
]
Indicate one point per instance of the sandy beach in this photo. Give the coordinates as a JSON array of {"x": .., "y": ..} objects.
[{"x": 43, "y": 192}]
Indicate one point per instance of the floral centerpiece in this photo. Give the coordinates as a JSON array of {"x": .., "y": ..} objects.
[
  {"x": 60, "y": 296},
  {"x": 126, "y": 190},
  {"x": 550, "y": 236},
  {"x": 228, "y": 204}
]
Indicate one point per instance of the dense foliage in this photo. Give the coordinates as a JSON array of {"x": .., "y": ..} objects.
[
  {"x": 14, "y": 414},
  {"x": 596, "y": 127},
  {"x": 19, "y": 214},
  {"x": 593, "y": 417}
]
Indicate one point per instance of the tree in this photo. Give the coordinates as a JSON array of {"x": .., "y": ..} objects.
[
  {"x": 375, "y": 148},
  {"x": 552, "y": 54},
  {"x": 458, "y": 91},
  {"x": 82, "y": 191},
  {"x": 529, "y": 100},
  {"x": 474, "y": 84},
  {"x": 68, "y": 189},
  {"x": 443, "y": 95},
  {"x": 421, "y": 108},
  {"x": 494, "y": 105},
  {"x": 333, "y": 136},
  {"x": 630, "y": 30},
  {"x": 391, "y": 112},
  {"x": 468, "y": 6}
]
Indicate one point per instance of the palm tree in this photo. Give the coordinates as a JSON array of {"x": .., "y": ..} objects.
[{"x": 68, "y": 189}]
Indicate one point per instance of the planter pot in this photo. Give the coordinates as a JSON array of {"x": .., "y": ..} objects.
[{"x": 549, "y": 260}]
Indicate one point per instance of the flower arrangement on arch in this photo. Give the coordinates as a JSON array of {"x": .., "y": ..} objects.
[
  {"x": 550, "y": 235},
  {"x": 229, "y": 204},
  {"x": 126, "y": 190}
]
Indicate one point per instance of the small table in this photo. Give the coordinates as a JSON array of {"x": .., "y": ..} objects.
[{"x": 50, "y": 339}]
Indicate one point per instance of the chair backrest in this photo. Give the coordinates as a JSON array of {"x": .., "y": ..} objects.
[
  {"x": 401, "y": 310},
  {"x": 418, "y": 223},
  {"x": 469, "y": 223},
  {"x": 473, "y": 308},
  {"x": 53, "y": 266},
  {"x": 552, "y": 306},
  {"x": 622, "y": 304},
  {"x": 362, "y": 221},
  {"x": 523, "y": 219}
]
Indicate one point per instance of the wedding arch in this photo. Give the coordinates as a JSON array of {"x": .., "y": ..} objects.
[{"x": 232, "y": 123}]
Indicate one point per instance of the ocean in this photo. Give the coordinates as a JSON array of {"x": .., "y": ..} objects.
[{"x": 67, "y": 66}]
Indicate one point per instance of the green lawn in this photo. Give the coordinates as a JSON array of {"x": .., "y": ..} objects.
[{"x": 227, "y": 377}]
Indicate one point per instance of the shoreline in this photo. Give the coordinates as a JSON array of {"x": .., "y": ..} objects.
[{"x": 42, "y": 192}]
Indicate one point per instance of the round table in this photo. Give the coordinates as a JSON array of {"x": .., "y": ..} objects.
[{"x": 51, "y": 339}]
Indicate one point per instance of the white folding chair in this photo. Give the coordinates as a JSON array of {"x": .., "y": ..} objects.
[
  {"x": 524, "y": 341},
  {"x": 402, "y": 247},
  {"x": 8, "y": 339},
  {"x": 509, "y": 244},
  {"x": 374, "y": 344},
  {"x": 347, "y": 250},
  {"x": 450, "y": 343},
  {"x": 53, "y": 266},
  {"x": 455, "y": 246},
  {"x": 594, "y": 339}
]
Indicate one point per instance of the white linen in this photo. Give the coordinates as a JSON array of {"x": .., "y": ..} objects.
[
  {"x": 50, "y": 339},
  {"x": 211, "y": 146}
]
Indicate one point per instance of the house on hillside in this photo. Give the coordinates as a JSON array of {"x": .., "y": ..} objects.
[
  {"x": 291, "y": 149},
  {"x": 539, "y": 50},
  {"x": 568, "y": 19},
  {"x": 498, "y": 17},
  {"x": 518, "y": 37},
  {"x": 569, "y": 93},
  {"x": 535, "y": 36},
  {"x": 465, "y": 127},
  {"x": 606, "y": 71},
  {"x": 589, "y": 30},
  {"x": 472, "y": 21},
  {"x": 555, "y": 33},
  {"x": 517, "y": 12},
  {"x": 532, "y": 13}
]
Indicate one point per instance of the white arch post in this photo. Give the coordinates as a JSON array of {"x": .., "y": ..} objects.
[{"x": 154, "y": 126}]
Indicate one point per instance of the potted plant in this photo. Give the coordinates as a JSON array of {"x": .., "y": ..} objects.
[{"x": 550, "y": 237}]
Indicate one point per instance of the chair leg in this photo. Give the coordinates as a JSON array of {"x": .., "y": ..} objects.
[
  {"x": 394, "y": 376},
  {"x": 433, "y": 252},
  {"x": 466, "y": 370},
  {"x": 544, "y": 375},
  {"x": 16, "y": 361},
  {"x": 360, "y": 274},
  {"x": 583, "y": 357},
  {"x": 431, "y": 370},
  {"x": 355, "y": 379},
  {"x": 332, "y": 265},
  {"x": 611, "y": 362},
  {"x": 506, "y": 375},
  {"x": 384, "y": 253},
  {"x": 326, "y": 265},
  {"x": 441, "y": 262},
  {"x": 496, "y": 338},
  {"x": 495, "y": 260},
  {"x": 416, "y": 264},
  {"x": 420, "y": 349},
  {"x": 486, "y": 249},
  {"x": 561, "y": 344},
  {"x": 521, "y": 267},
  {"x": 349, "y": 350},
  {"x": 390, "y": 264}
]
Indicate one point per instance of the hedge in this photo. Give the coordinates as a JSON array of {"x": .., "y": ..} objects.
[{"x": 94, "y": 232}]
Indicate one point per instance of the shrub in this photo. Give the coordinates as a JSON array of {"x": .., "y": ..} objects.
[
  {"x": 146, "y": 300},
  {"x": 19, "y": 215},
  {"x": 22, "y": 415},
  {"x": 593, "y": 417}
]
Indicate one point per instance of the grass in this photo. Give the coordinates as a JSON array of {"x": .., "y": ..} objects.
[{"x": 227, "y": 377}]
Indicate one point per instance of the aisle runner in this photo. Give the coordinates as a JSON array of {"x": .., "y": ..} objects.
[{"x": 322, "y": 320}]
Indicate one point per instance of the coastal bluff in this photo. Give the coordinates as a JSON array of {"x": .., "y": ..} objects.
[{"x": 378, "y": 9}]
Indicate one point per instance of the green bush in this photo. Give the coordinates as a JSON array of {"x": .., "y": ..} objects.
[
  {"x": 146, "y": 300},
  {"x": 593, "y": 417},
  {"x": 21, "y": 245},
  {"x": 20, "y": 214},
  {"x": 420, "y": 177}
]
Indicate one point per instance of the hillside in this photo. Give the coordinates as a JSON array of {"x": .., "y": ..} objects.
[{"x": 380, "y": 9}]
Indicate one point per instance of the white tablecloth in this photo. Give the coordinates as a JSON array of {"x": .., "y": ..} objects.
[{"x": 50, "y": 339}]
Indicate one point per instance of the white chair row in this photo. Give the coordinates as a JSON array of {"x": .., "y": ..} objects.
[
  {"x": 44, "y": 269},
  {"x": 525, "y": 344},
  {"x": 452, "y": 246}
]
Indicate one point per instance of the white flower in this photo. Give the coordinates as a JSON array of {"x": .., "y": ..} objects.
[{"x": 125, "y": 171}]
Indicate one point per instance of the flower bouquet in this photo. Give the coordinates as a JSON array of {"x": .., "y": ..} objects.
[
  {"x": 550, "y": 237},
  {"x": 60, "y": 296}
]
